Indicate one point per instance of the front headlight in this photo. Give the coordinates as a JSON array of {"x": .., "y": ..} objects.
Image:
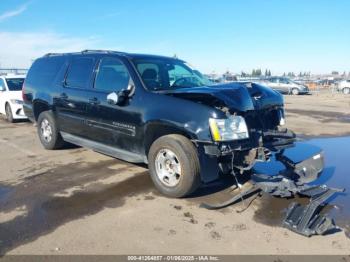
[
  {"x": 232, "y": 128},
  {"x": 16, "y": 101}
]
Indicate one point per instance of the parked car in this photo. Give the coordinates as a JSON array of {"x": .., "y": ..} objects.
[
  {"x": 154, "y": 110},
  {"x": 285, "y": 85},
  {"x": 11, "y": 103},
  {"x": 344, "y": 87}
]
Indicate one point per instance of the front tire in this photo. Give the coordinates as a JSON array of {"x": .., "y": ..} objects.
[
  {"x": 295, "y": 91},
  {"x": 346, "y": 90},
  {"x": 48, "y": 131},
  {"x": 174, "y": 166},
  {"x": 8, "y": 111}
]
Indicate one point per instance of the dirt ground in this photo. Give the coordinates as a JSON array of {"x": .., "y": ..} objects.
[{"x": 76, "y": 201}]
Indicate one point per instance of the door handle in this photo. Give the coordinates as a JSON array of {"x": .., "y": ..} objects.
[
  {"x": 94, "y": 101},
  {"x": 63, "y": 96}
]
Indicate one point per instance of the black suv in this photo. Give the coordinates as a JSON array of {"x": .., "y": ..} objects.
[{"x": 155, "y": 110}]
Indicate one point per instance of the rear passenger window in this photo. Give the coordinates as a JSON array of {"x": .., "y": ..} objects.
[
  {"x": 44, "y": 70},
  {"x": 79, "y": 72},
  {"x": 112, "y": 75}
]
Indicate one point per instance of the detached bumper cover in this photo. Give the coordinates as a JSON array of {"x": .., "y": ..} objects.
[
  {"x": 307, "y": 220},
  {"x": 294, "y": 179}
]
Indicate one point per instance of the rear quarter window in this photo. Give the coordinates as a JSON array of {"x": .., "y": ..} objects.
[{"x": 44, "y": 70}]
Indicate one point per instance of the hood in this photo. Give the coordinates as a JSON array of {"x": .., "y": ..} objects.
[
  {"x": 238, "y": 97},
  {"x": 14, "y": 95}
]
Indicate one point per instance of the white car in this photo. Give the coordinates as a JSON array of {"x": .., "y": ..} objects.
[
  {"x": 344, "y": 87},
  {"x": 11, "y": 102}
]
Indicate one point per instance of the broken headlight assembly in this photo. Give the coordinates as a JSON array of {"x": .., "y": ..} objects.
[{"x": 231, "y": 128}]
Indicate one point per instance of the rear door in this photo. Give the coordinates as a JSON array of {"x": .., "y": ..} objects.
[
  {"x": 114, "y": 125},
  {"x": 71, "y": 103}
]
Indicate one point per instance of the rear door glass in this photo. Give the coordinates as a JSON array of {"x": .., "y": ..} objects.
[{"x": 80, "y": 72}]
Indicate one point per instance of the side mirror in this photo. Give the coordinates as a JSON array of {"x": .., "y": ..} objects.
[
  {"x": 2, "y": 89},
  {"x": 130, "y": 90},
  {"x": 113, "y": 98},
  {"x": 120, "y": 97}
]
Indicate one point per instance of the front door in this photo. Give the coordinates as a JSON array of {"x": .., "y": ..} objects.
[
  {"x": 284, "y": 86},
  {"x": 114, "y": 125}
]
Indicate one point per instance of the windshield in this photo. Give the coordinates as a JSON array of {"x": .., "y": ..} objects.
[
  {"x": 169, "y": 74},
  {"x": 15, "y": 84}
]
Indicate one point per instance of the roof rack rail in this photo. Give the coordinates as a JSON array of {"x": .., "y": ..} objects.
[
  {"x": 50, "y": 54},
  {"x": 97, "y": 51}
]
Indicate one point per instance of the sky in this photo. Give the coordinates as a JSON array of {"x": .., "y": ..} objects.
[{"x": 213, "y": 36}]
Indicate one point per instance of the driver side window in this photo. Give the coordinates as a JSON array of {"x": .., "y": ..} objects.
[
  {"x": 274, "y": 80},
  {"x": 284, "y": 81},
  {"x": 178, "y": 72},
  {"x": 112, "y": 75}
]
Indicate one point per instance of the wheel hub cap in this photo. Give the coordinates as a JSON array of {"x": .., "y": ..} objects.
[
  {"x": 46, "y": 130},
  {"x": 168, "y": 167}
]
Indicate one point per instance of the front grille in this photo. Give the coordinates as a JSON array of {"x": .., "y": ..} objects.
[{"x": 264, "y": 119}]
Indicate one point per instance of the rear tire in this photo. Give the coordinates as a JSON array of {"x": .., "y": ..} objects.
[
  {"x": 174, "y": 166},
  {"x": 295, "y": 91},
  {"x": 346, "y": 90},
  {"x": 48, "y": 131},
  {"x": 9, "y": 116}
]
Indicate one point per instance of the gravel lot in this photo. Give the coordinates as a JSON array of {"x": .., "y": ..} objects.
[{"x": 76, "y": 201}]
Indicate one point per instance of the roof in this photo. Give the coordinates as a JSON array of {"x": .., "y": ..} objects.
[{"x": 130, "y": 55}]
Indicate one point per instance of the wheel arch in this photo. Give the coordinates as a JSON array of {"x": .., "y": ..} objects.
[
  {"x": 156, "y": 129},
  {"x": 5, "y": 104},
  {"x": 40, "y": 106}
]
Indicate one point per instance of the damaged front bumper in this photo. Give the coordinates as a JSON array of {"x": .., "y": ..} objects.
[
  {"x": 219, "y": 157},
  {"x": 301, "y": 164}
]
